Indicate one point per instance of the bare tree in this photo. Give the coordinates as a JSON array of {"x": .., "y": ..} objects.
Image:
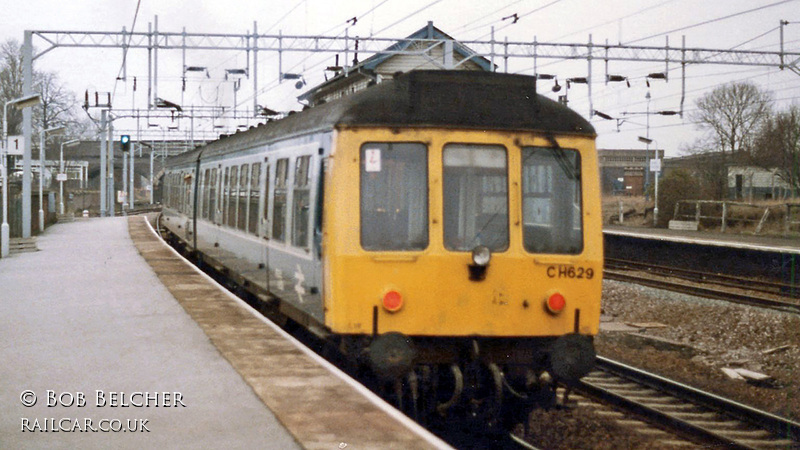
[
  {"x": 730, "y": 114},
  {"x": 58, "y": 104},
  {"x": 11, "y": 82},
  {"x": 777, "y": 146}
]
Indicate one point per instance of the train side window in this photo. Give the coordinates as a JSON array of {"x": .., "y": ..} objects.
[
  {"x": 320, "y": 202},
  {"x": 170, "y": 183},
  {"x": 551, "y": 200},
  {"x": 186, "y": 188},
  {"x": 233, "y": 190},
  {"x": 475, "y": 192},
  {"x": 224, "y": 197},
  {"x": 244, "y": 190},
  {"x": 190, "y": 192},
  {"x": 300, "y": 200},
  {"x": 394, "y": 196},
  {"x": 181, "y": 192},
  {"x": 255, "y": 184},
  {"x": 173, "y": 189},
  {"x": 212, "y": 197},
  {"x": 279, "y": 200},
  {"x": 266, "y": 197},
  {"x": 206, "y": 185}
]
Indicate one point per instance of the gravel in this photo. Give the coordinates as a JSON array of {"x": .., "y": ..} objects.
[
  {"x": 702, "y": 336},
  {"x": 715, "y": 335}
]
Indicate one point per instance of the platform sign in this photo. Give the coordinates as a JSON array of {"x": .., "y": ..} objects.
[
  {"x": 61, "y": 177},
  {"x": 655, "y": 165},
  {"x": 15, "y": 145}
]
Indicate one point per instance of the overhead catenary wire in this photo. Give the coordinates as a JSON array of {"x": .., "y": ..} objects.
[
  {"x": 635, "y": 13},
  {"x": 406, "y": 17},
  {"x": 277, "y": 22},
  {"x": 706, "y": 22},
  {"x": 521, "y": 16},
  {"x": 125, "y": 50},
  {"x": 488, "y": 18},
  {"x": 359, "y": 17}
]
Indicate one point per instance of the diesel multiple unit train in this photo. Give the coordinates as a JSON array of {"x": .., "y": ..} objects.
[{"x": 441, "y": 229}]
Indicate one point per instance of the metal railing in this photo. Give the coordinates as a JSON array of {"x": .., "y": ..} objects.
[{"x": 720, "y": 211}]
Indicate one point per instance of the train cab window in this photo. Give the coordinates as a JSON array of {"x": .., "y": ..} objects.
[
  {"x": 394, "y": 196},
  {"x": 279, "y": 201},
  {"x": 212, "y": 197},
  {"x": 233, "y": 191},
  {"x": 475, "y": 197},
  {"x": 300, "y": 200},
  {"x": 551, "y": 200},
  {"x": 244, "y": 191},
  {"x": 252, "y": 215}
]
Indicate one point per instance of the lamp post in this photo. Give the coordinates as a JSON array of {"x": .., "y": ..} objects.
[
  {"x": 19, "y": 103},
  {"x": 61, "y": 172},
  {"x": 42, "y": 144}
]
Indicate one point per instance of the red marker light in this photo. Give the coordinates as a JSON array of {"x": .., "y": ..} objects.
[
  {"x": 556, "y": 303},
  {"x": 392, "y": 301}
]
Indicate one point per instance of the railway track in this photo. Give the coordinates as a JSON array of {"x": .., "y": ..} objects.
[
  {"x": 716, "y": 286},
  {"x": 695, "y": 415},
  {"x": 753, "y": 284}
]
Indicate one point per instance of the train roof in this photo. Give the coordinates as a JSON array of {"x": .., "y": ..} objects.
[{"x": 436, "y": 98}]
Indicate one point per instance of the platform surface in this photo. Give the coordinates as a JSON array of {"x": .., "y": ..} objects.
[
  {"x": 105, "y": 307},
  {"x": 87, "y": 314},
  {"x": 747, "y": 241}
]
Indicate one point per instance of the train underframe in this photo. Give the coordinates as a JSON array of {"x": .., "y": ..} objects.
[{"x": 493, "y": 382}]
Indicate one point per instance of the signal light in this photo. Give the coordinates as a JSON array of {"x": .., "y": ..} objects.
[
  {"x": 556, "y": 303},
  {"x": 125, "y": 142},
  {"x": 392, "y": 301}
]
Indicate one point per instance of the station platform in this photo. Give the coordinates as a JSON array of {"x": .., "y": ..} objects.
[
  {"x": 109, "y": 339},
  {"x": 788, "y": 245}
]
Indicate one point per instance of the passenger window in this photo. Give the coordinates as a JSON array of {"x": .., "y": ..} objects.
[
  {"x": 551, "y": 200},
  {"x": 279, "y": 201},
  {"x": 206, "y": 185},
  {"x": 394, "y": 196},
  {"x": 252, "y": 211},
  {"x": 212, "y": 197},
  {"x": 233, "y": 191},
  {"x": 244, "y": 191},
  {"x": 224, "y": 197},
  {"x": 475, "y": 197},
  {"x": 266, "y": 197},
  {"x": 300, "y": 208}
]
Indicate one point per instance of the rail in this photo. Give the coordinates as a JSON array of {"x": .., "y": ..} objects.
[
  {"x": 725, "y": 295},
  {"x": 760, "y": 285},
  {"x": 700, "y": 415}
]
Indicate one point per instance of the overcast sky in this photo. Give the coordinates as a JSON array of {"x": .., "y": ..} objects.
[{"x": 547, "y": 20}]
